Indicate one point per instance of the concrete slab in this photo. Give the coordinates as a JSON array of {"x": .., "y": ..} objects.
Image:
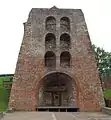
[{"x": 56, "y": 116}]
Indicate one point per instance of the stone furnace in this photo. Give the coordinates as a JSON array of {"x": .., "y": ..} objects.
[{"x": 56, "y": 65}]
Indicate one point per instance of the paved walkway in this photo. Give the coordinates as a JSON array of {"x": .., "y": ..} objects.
[{"x": 56, "y": 116}]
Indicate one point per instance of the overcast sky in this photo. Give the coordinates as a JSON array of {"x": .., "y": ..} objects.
[{"x": 14, "y": 12}]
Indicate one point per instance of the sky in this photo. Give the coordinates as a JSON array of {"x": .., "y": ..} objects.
[{"x": 13, "y": 13}]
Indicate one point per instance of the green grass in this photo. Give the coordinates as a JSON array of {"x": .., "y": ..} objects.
[{"x": 107, "y": 94}]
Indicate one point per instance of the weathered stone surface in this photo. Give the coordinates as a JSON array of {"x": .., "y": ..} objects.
[
  {"x": 32, "y": 71},
  {"x": 107, "y": 110}
]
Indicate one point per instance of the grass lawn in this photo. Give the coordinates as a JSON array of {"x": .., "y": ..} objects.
[{"x": 107, "y": 94}]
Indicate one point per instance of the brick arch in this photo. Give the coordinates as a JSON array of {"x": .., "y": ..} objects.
[{"x": 73, "y": 85}]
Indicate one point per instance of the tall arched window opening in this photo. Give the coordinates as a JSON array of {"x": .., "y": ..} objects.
[
  {"x": 51, "y": 23},
  {"x": 50, "y": 41},
  {"x": 65, "y": 24},
  {"x": 65, "y": 41},
  {"x": 65, "y": 59},
  {"x": 50, "y": 59}
]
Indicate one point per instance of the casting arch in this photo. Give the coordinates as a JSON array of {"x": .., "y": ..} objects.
[{"x": 60, "y": 83}]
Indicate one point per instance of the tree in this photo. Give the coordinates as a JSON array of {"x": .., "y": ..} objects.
[{"x": 103, "y": 60}]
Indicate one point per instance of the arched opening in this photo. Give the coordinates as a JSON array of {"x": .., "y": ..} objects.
[
  {"x": 65, "y": 41},
  {"x": 57, "y": 89},
  {"x": 65, "y": 24},
  {"x": 50, "y": 23},
  {"x": 65, "y": 59},
  {"x": 50, "y": 41},
  {"x": 50, "y": 59}
]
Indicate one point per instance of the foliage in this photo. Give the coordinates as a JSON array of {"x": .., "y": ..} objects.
[
  {"x": 103, "y": 60},
  {"x": 4, "y": 91},
  {"x": 3, "y": 99},
  {"x": 107, "y": 93}
]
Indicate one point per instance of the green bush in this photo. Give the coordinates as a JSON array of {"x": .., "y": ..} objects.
[
  {"x": 3, "y": 106},
  {"x": 107, "y": 94},
  {"x": 4, "y": 91},
  {"x": 3, "y": 99}
]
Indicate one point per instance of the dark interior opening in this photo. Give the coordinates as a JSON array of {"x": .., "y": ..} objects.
[
  {"x": 57, "y": 109},
  {"x": 57, "y": 93},
  {"x": 62, "y": 110}
]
